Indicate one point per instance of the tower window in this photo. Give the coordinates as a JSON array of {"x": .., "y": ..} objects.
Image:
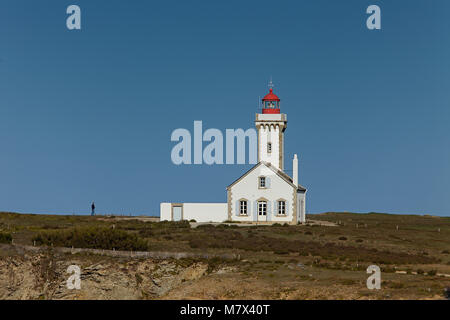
[
  {"x": 243, "y": 207},
  {"x": 281, "y": 207},
  {"x": 269, "y": 147},
  {"x": 262, "y": 182}
]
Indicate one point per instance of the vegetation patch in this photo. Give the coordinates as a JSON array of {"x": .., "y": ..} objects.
[
  {"x": 217, "y": 238},
  {"x": 5, "y": 237},
  {"x": 93, "y": 238}
]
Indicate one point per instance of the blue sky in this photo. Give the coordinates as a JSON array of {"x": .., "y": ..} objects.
[{"x": 87, "y": 115}]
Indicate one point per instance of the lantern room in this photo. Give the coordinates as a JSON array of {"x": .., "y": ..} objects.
[{"x": 271, "y": 103}]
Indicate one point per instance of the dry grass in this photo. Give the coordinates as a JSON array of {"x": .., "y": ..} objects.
[{"x": 332, "y": 260}]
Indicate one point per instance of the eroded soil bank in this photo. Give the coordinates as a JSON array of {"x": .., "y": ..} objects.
[{"x": 42, "y": 274}]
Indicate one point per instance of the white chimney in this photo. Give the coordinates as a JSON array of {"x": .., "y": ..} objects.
[{"x": 295, "y": 170}]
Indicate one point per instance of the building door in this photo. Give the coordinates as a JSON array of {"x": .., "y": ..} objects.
[
  {"x": 262, "y": 210},
  {"x": 177, "y": 213}
]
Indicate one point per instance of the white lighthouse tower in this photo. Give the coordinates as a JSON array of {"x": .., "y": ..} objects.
[{"x": 271, "y": 124}]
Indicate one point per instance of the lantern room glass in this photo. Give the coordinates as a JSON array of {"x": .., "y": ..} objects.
[{"x": 271, "y": 104}]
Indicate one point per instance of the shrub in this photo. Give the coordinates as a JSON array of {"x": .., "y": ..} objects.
[
  {"x": 432, "y": 272},
  {"x": 395, "y": 285},
  {"x": 225, "y": 226},
  {"x": 93, "y": 238},
  {"x": 145, "y": 233},
  {"x": 5, "y": 238},
  {"x": 192, "y": 220},
  {"x": 342, "y": 238},
  {"x": 387, "y": 269},
  {"x": 276, "y": 224},
  {"x": 195, "y": 243},
  {"x": 172, "y": 224},
  {"x": 214, "y": 264},
  {"x": 206, "y": 226},
  {"x": 420, "y": 271}
]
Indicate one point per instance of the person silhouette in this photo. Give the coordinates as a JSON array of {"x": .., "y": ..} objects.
[{"x": 93, "y": 209}]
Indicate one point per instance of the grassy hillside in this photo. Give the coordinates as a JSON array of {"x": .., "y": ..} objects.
[{"x": 310, "y": 256}]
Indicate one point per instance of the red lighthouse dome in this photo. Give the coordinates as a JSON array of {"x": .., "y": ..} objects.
[
  {"x": 271, "y": 96},
  {"x": 271, "y": 103}
]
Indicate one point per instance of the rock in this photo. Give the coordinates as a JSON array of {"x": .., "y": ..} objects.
[{"x": 44, "y": 276}]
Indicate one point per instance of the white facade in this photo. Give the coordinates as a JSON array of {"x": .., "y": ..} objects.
[
  {"x": 264, "y": 194},
  {"x": 200, "y": 212},
  {"x": 248, "y": 189}
]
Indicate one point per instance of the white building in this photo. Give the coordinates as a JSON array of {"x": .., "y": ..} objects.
[{"x": 265, "y": 193}]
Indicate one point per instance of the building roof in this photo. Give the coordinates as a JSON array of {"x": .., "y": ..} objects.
[
  {"x": 271, "y": 96},
  {"x": 277, "y": 171}
]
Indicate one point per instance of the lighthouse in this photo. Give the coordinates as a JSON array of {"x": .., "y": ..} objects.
[
  {"x": 271, "y": 124},
  {"x": 265, "y": 194}
]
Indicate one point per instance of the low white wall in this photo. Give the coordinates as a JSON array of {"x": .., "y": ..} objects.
[
  {"x": 205, "y": 212},
  {"x": 200, "y": 212},
  {"x": 165, "y": 211}
]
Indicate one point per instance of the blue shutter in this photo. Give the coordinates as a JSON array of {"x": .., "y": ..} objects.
[
  {"x": 237, "y": 209},
  {"x": 269, "y": 210},
  {"x": 267, "y": 182},
  {"x": 275, "y": 207},
  {"x": 287, "y": 207},
  {"x": 255, "y": 211}
]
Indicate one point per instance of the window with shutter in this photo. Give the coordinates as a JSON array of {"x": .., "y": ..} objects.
[
  {"x": 262, "y": 182},
  {"x": 243, "y": 210},
  {"x": 281, "y": 207}
]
